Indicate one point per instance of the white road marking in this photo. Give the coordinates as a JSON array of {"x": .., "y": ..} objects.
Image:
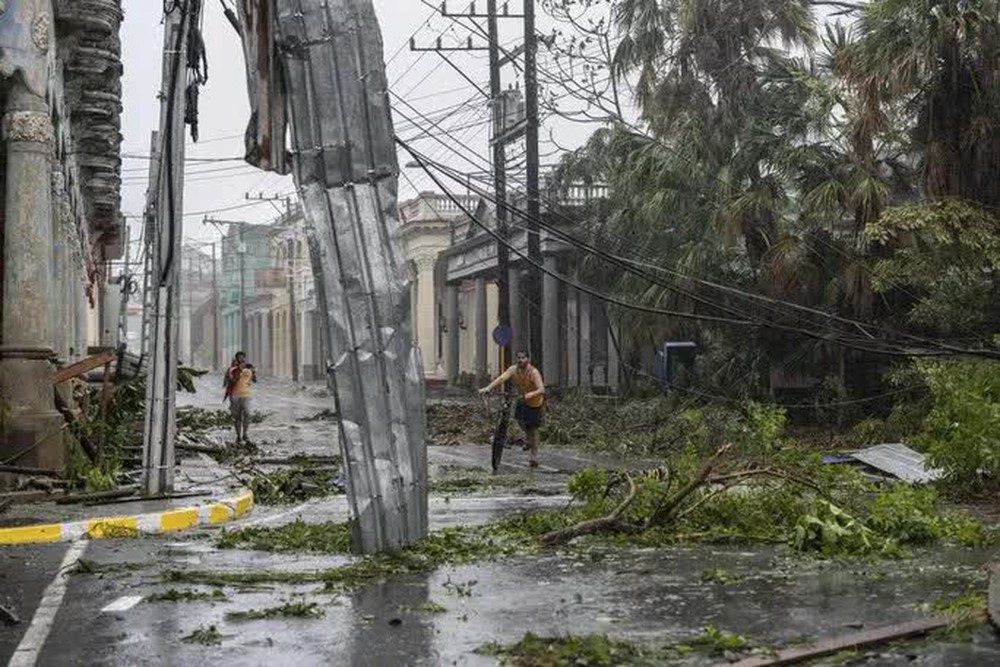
[
  {"x": 26, "y": 654},
  {"x": 123, "y": 603}
]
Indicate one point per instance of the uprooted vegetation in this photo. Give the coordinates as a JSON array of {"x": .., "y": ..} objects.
[{"x": 789, "y": 499}]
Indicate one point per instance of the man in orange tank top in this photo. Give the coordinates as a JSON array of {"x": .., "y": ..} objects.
[{"x": 528, "y": 412}]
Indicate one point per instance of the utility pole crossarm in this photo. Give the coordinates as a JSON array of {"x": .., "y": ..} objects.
[
  {"x": 438, "y": 47},
  {"x": 473, "y": 13}
]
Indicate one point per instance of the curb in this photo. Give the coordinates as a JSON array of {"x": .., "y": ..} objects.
[{"x": 156, "y": 523}]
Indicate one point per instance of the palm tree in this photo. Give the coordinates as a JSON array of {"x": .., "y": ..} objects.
[
  {"x": 939, "y": 62},
  {"x": 698, "y": 67}
]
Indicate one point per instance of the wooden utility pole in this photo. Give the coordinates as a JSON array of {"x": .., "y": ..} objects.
[
  {"x": 161, "y": 389},
  {"x": 503, "y": 134},
  {"x": 499, "y": 181},
  {"x": 532, "y": 169}
]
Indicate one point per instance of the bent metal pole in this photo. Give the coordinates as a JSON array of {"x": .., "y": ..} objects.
[{"x": 321, "y": 62}]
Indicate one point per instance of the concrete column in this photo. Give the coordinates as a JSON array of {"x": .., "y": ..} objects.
[
  {"x": 572, "y": 337},
  {"x": 267, "y": 353},
  {"x": 34, "y": 435},
  {"x": 481, "y": 334},
  {"x": 61, "y": 274},
  {"x": 451, "y": 347},
  {"x": 306, "y": 356},
  {"x": 425, "y": 309},
  {"x": 185, "y": 342},
  {"x": 82, "y": 312},
  {"x": 585, "y": 347},
  {"x": 520, "y": 339},
  {"x": 614, "y": 360},
  {"x": 551, "y": 350}
]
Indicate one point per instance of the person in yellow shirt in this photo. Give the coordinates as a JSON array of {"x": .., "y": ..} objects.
[
  {"x": 528, "y": 412},
  {"x": 238, "y": 380}
]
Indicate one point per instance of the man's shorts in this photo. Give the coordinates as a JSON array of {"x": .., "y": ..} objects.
[
  {"x": 240, "y": 407},
  {"x": 528, "y": 417}
]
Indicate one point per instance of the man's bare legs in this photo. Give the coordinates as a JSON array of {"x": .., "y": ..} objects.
[{"x": 531, "y": 434}]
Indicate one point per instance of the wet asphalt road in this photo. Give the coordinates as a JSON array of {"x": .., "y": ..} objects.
[
  {"x": 648, "y": 596},
  {"x": 440, "y": 618}
]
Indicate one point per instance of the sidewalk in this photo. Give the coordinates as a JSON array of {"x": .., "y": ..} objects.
[{"x": 209, "y": 496}]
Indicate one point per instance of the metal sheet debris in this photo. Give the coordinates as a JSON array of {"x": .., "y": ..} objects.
[
  {"x": 900, "y": 461},
  {"x": 343, "y": 158}
]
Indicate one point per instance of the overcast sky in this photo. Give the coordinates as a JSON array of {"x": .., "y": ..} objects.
[{"x": 423, "y": 79}]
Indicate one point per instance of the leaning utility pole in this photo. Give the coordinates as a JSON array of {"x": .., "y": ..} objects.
[
  {"x": 161, "y": 388},
  {"x": 532, "y": 169}
]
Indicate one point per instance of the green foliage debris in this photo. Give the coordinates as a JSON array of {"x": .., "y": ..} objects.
[
  {"x": 187, "y": 595},
  {"x": 297, "y": 609},
  {"x": 293, "y": 485},
  {"x": 597, "y": 650},
  {"x": 209, "y": 636},
  {"x": 600, "y": 650},
  {"x": 426, "y": 607},
  {"x": 297, "y": 536}
]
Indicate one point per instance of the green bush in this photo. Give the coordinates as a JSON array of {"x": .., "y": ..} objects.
[{"x": 961, "y": 433}]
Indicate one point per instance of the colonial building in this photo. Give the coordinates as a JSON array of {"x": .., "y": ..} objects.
[
  {"x": 455, "y": 297},
  {"x": 60, "y": 166}
]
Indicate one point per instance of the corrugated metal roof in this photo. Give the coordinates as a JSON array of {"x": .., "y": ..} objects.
[{"x": 899, "y": 461}]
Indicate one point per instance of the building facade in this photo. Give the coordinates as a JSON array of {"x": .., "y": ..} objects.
[
  {"x": 60, "y": 163},
  {"x": 455, "y": 297}
]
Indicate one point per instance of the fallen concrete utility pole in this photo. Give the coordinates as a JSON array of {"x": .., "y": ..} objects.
[
  {"x": 854, "y": 641},
  {"x": 322, "y": 60}
]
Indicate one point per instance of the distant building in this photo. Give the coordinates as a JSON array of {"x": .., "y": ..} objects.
[{"x": 453, "y": 298}]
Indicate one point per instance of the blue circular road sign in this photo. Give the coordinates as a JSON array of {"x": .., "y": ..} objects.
[{"x": 502, "y": 336}]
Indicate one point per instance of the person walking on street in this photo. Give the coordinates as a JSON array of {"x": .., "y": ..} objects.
[
  {"x": 239, "y": 378},
  {"x": 528, "y": 412}
]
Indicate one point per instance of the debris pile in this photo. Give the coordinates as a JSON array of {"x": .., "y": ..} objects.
[
  {"x": 450, "y": 424},
  {"x": 287, "y": 485}
]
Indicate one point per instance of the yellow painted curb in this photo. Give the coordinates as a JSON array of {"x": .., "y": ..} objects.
[{"x": 167, "y": 521}]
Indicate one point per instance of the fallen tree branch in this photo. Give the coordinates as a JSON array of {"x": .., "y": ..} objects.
[
  {"x": 665, "y": 512},
  {"x": 736, "y": 476},
  {"x": 608, "y": 524}
]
